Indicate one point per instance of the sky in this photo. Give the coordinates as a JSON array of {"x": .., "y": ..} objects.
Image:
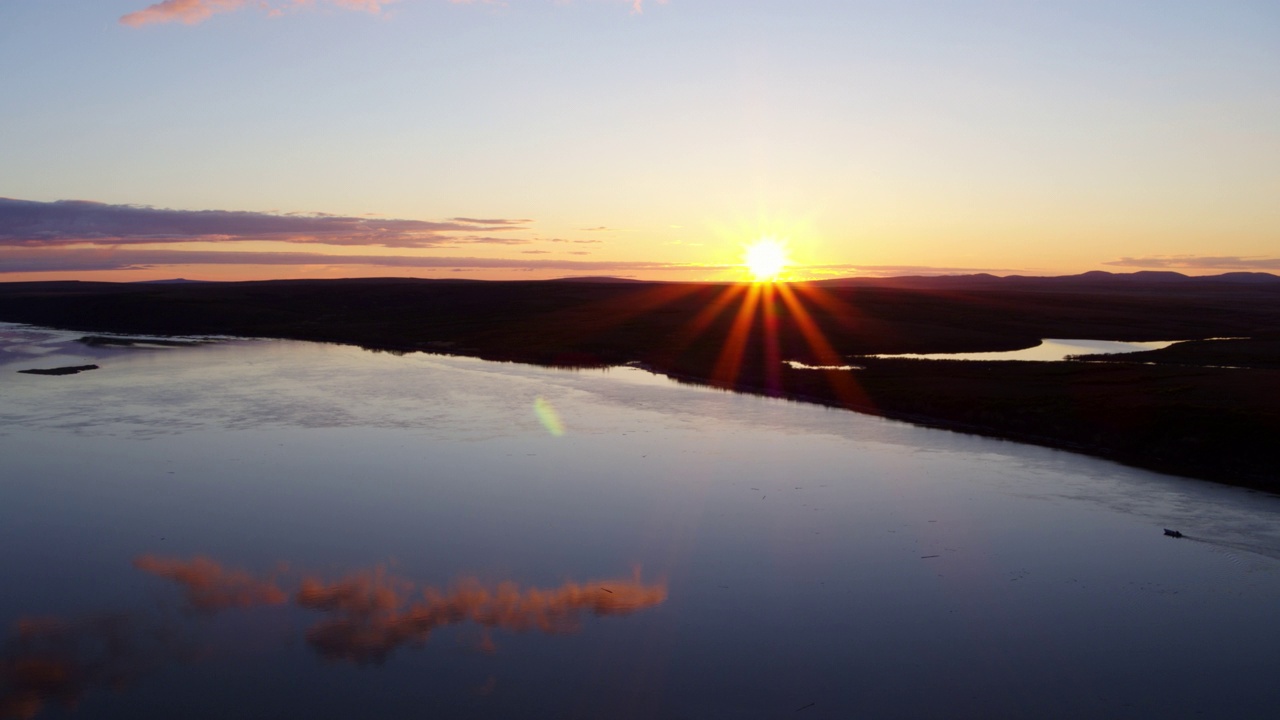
[{"x": 525, "y": 139}]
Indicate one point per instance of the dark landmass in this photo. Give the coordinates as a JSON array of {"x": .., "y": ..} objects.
[
  {"x": 1259, "y": 353},
  {"x": 1208, "y": 409},
  {"x": 69, "y": 370}
]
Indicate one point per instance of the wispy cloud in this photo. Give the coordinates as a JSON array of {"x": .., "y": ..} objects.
[
  {"x": 27, "y": 223},
  {"x": 637, "y": 6},
  {"x": 372, "y": 6},
  {"x": 189, "y": 12},
  {"x": 1199, "y": 262},
  {"x": 847, "y": 269},
  {"x": 27, "y": 260},
  {"x": 192, "y": 12}
]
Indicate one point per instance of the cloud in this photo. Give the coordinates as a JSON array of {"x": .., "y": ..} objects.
[
  {"x": 370, "y": 6},
  {"x": 189, "y": 12},
  {"x": 894, "y": 270},
  {"x": 23, "y": 260},
  {"x": 193, "y": 12},
  {"x": 637, "y": 6},
  {"x": 490, "y": 221},
  {"x": 494, "y": 240},
  {"x": 28, "y": 223},
  {"x": 1200, "y": 262}
]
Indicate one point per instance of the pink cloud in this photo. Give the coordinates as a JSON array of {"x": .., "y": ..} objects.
[
  {"x": 192, "y": 12},
  {"x": 637, "y": 6},
  {"x": 370, "y": 6},
  {"x": 189, "y": 12}
]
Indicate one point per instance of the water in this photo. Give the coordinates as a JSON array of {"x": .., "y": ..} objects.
[
  {"x": 266, "y": 529},
  {"x": 1048, "y": 350}
]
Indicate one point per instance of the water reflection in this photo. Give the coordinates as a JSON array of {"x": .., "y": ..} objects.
[
  {"x": 366, "y": 616},
  {"x": 25, "y": 346},
  {"x": 48, "y": 660},
  {"x": 1049, "y": 350},
  {"x": 211, "y": 587},
  {"x": 373, "y": 613}
]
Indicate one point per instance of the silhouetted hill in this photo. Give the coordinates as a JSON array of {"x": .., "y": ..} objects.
[
  {"x": 599, "y": 279},
  {"x": 1087, "y": 282}
]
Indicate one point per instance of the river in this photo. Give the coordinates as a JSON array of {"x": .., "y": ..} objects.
[{"x": 260, "y": 529}]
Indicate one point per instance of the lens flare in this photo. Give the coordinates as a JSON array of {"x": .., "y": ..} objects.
[
  {"x": 765, "y": 259},
  {"x": 548, "y": 416}
]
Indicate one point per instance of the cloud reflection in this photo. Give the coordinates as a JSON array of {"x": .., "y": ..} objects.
[
  {"x": 372, "y": 612},
  {"x": 375, "y": 613},
  {"x": 47, "y": 661},
  {"x": 211, "y": 587},
  {"x": 51, "y": 661}
]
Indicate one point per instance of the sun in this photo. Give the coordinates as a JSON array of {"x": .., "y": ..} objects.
[{"x": 765, "y": 259}]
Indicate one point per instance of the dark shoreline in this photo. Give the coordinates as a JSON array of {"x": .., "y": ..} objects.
[{"x": 1207, "y": 409}]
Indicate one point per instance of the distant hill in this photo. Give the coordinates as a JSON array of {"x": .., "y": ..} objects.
[
  {"x": 600, "y": 279},
  {"x": 1092, "y": 280}
]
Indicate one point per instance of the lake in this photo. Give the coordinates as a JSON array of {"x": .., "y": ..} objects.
[
  {"x": 1049, "y": 350},
  {"x": 265, "y": 529}
]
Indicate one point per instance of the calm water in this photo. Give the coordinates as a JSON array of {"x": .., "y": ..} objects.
[
  {"x": 263, "y": 529},
  {"x": 1049, "y": 349}
]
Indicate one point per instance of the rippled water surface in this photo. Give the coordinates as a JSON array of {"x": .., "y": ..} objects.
[{"x": 265, "y": 529}]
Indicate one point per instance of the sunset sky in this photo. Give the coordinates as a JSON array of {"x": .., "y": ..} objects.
[{"x": 253, "y": 139}]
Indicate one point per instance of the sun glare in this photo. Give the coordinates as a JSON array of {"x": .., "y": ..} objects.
[{"x": 765, "y": 259}]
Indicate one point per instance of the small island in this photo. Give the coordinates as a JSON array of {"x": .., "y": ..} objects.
[{"x": 69, "y": 370}]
